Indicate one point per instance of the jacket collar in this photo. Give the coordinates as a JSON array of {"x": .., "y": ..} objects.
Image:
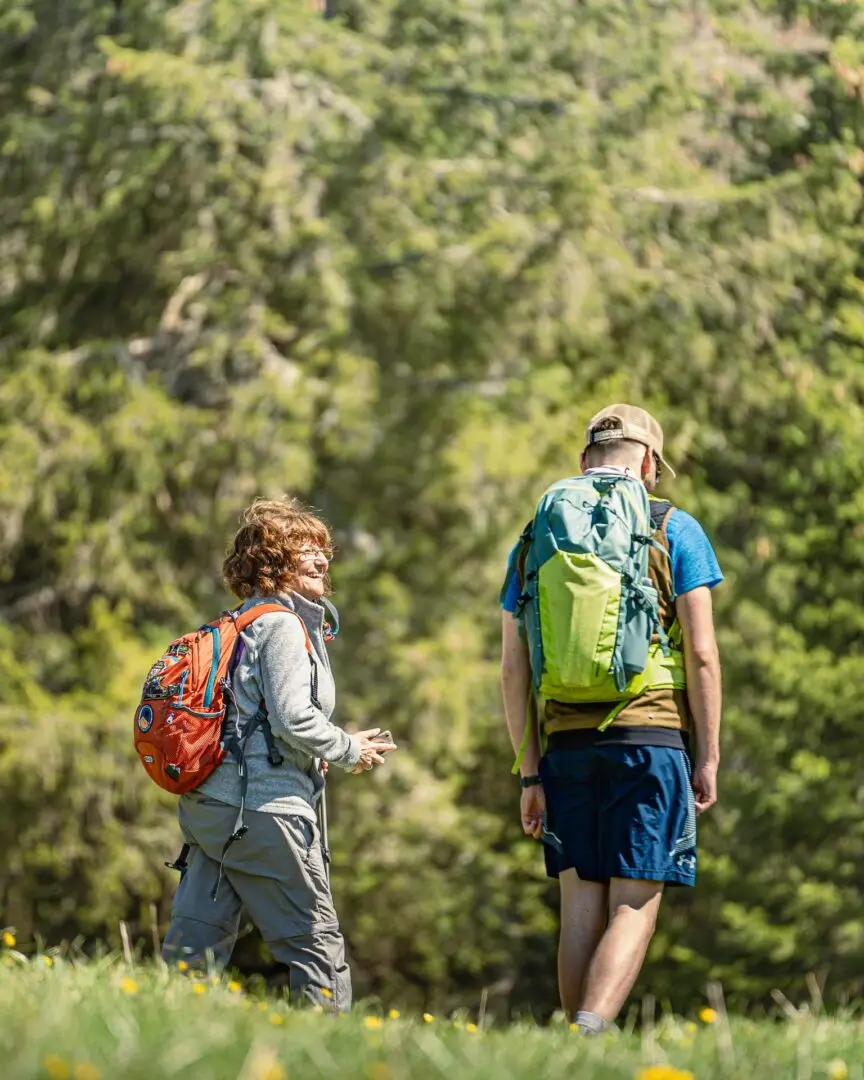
[{"x": 310, "y": 611}]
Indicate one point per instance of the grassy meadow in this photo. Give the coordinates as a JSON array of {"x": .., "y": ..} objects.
[{"x": 64, "y": 1019}]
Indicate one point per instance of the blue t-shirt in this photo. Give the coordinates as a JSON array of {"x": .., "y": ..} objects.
[{"x": 694, "y": 563}]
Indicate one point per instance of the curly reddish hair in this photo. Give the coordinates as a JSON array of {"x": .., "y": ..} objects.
[{"x": 263, "y": 558}]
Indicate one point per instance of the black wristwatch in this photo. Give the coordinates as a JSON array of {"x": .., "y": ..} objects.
[{"x": 529, "y": 781}]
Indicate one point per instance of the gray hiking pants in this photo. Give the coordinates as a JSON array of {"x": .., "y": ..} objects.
[{"x": 276, "y": 872}]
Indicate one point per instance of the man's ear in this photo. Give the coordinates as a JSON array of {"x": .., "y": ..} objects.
[
  {"x": 583, "y": 461},
  {"x": 647, "y": 462}
]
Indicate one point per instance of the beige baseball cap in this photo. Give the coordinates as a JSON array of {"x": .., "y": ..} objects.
[{"x": 636, "y": 424}]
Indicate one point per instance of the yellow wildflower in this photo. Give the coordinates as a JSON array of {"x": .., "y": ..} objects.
[
  {"x": 234, "y": 987},
  {"x": 373, "y": 1022},
  {"x": 837, "y": 1069},
  {"x": 86, "y": 1071},
  {"x": 199, "y": 989},
  {"x": 709, "y": 1016},
  {"x": 264, "y": 1066},
  {"x": 574, "y": 1027},
  {"x": 276, "y": 1019},
  {"x": 182, "y": 965},
  {"x": 691, "y": 1028},
  {"x": 664, "y": 1072},
  {"x": 48, "y": 961},
  {"x": 128, "y": 986},
  {"x": 326, "y": 993},
  {"x": 471, "y": 1028},
  {"x": 428, "y": 1018},
  {"x": 263, "y": 1006},
  {"x": 394, "y": 1014},
  {"x": 9, "y": 939},
  {"x": 272, "y": 1070},
  {"x": 56, "y": 1067}
]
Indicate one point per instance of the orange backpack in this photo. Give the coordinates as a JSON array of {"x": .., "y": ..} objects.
[{"x": 186, "y": 697}]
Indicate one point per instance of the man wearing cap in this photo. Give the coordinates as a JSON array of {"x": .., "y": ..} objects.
[{"x": 616, "y": 808}]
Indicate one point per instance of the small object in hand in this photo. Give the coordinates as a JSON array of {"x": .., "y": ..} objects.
[{"x": 386, "y": 738}]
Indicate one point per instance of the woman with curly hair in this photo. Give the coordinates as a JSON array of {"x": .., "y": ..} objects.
[{"x": 253, "y": 840}]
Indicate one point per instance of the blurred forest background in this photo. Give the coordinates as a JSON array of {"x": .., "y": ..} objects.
[{"x": 391, "y": 262}]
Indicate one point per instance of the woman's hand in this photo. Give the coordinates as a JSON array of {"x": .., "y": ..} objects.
[{"x": 371, "y": 751}]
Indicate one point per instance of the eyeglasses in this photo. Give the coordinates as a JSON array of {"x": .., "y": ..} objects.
[
  {"x": 658, "y": 467},
  {"x": 308, "y": 554}
]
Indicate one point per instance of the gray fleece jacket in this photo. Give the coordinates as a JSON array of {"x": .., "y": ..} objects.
[{"x": 275, "y": 668}]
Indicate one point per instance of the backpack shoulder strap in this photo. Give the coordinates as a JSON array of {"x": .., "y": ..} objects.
[
  {"x": 660, "y": 511},
  {"x": 245, "y": 619},
  {"x": 522, "y": 553}
]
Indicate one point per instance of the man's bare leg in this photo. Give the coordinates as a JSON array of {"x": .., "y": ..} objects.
[
  {"x": 583, "y": 919},
  {"x": 617, "y": 960}
]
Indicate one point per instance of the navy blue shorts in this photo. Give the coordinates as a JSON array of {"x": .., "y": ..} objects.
[{"x": 622, "y": 811}]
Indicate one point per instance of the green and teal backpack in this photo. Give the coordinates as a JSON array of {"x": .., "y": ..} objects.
[{"x": 588, "y": 606}]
